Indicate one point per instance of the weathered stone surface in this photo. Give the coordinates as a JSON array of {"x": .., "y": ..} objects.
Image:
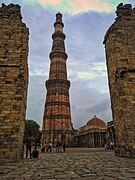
[
  {"x": 57, "y": 115},
  {"x": 120, "y": 52},
  {"x": 13, "y": 81},
  {"x": 86, "y": 163}
]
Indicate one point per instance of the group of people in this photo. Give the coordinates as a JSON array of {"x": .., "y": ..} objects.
[
  {"x": 60, "y": 146},
  {"x": 27, "y": 148},
  {"x": 47, "y": 147},
  {"x": 109, "y": 144}
]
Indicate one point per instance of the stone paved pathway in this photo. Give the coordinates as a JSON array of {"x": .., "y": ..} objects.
[{"x": 74, "y": 164}]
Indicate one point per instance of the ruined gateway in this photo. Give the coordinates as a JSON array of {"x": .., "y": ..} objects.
[
  {"x": 13, "y": 82},
  {"x": 120, "y": 53}
]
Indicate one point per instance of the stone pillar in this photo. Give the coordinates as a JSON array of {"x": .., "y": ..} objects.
[
  {"x": 93, "y": 139},
  {"x": 13, "y": 82},
  {"x": 100, "y": 139},
  {"x": 120, "y": 54}
]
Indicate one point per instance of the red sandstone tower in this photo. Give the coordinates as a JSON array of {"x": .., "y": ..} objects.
[{"x": 57, "y": 116}]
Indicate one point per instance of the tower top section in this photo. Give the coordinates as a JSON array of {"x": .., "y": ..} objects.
[
  {"x": 58, "y": 20},
  {"x": 58, "y": 47},
  {"x": 58, "y": 14}
]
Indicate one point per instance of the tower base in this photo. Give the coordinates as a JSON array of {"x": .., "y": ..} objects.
[{"x": 58, "y": 135}]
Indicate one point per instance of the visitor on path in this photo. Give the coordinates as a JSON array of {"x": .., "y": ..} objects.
[
  {"x": 111, "y": 145},
  {"x": 41, "y": 145},
  {"x": 57, "y": 146},
  {"x": 50, "y": 147},
  {"x": 43, "y": 149},
  {"x": 28, "y": 147},
  {"x": 64, "y": 146},
  {"x": 46, "y": 147},
  {"x": 60, "y": 146},
  {"x": 25, "y": 148},
  {"x": 35, "y": 153},
  {"x": 105, "y": 146}
]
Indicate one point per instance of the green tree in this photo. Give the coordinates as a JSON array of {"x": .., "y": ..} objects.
[{"x": 32, "y": 129}]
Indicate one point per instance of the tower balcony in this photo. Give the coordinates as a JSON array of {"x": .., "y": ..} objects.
[
  {"x": 58, "y": 54},
  {"x": 58, "y": 22},
  {"x": 57, "y": 82},
  {"x": 58, "y": 34}
]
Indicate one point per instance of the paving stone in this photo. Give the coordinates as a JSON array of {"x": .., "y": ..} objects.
[{"x": 104, "y": 165}]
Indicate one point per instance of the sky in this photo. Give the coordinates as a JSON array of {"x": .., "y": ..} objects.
[{"x": 85, "y": 24}]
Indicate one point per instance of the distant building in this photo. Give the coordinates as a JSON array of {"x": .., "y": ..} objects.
[{"x": 93, "y": 134}]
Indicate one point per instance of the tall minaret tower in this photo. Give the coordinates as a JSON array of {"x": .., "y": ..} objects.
[{"x": 57, "y": 124}]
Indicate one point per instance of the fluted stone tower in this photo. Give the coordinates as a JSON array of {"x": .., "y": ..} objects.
[
  {"x": 120, "y": 53},
  {"x": 57, "y": 124}
]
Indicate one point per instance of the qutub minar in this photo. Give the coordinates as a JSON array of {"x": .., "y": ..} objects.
[{"x": 57, "y": 124}]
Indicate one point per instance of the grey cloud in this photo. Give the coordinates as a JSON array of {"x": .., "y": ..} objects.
[
  {"x": 36, "y": 98},
  {"x": 101, "y": 107},
  {"x": 85, "y": 34},
  {"x": 86, "y": 102},
  {"x": 84, "y": 47}
]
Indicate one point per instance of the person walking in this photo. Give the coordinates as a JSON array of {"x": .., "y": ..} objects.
[
  {"x": 111, "y": 145},
  {"x": 60, "y": 146},
  {"x": 28, "y": 147},
  {"x": 57, "y": 146},
  {"x": 50, "y": 147},
  {"x": 64, "y": 146},
  {"x": 46, "y": 147}
]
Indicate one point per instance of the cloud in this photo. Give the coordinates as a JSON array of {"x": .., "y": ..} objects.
[
  {"x": 79, "y": 6},
  {"x": 86, "y": 59},
  {"x": 86, "y": 75},
  {"x": 36, "y": 98},
  {"x": 86, "y": 62},
  {"x": 87, "y": 101},
  {"x": 87, "y": 5},
  {"x": 51, "y": 2},
  {"x": 97, "y": 70},
  {"x": 100, "y": 107}
]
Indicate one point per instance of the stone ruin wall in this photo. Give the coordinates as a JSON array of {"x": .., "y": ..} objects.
[
  {"x": 120, "y": 54},
  {"x": 13, "y": 82}
]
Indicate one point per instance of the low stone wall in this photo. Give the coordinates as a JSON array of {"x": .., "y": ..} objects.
[{"x": 13, "y": 82}]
